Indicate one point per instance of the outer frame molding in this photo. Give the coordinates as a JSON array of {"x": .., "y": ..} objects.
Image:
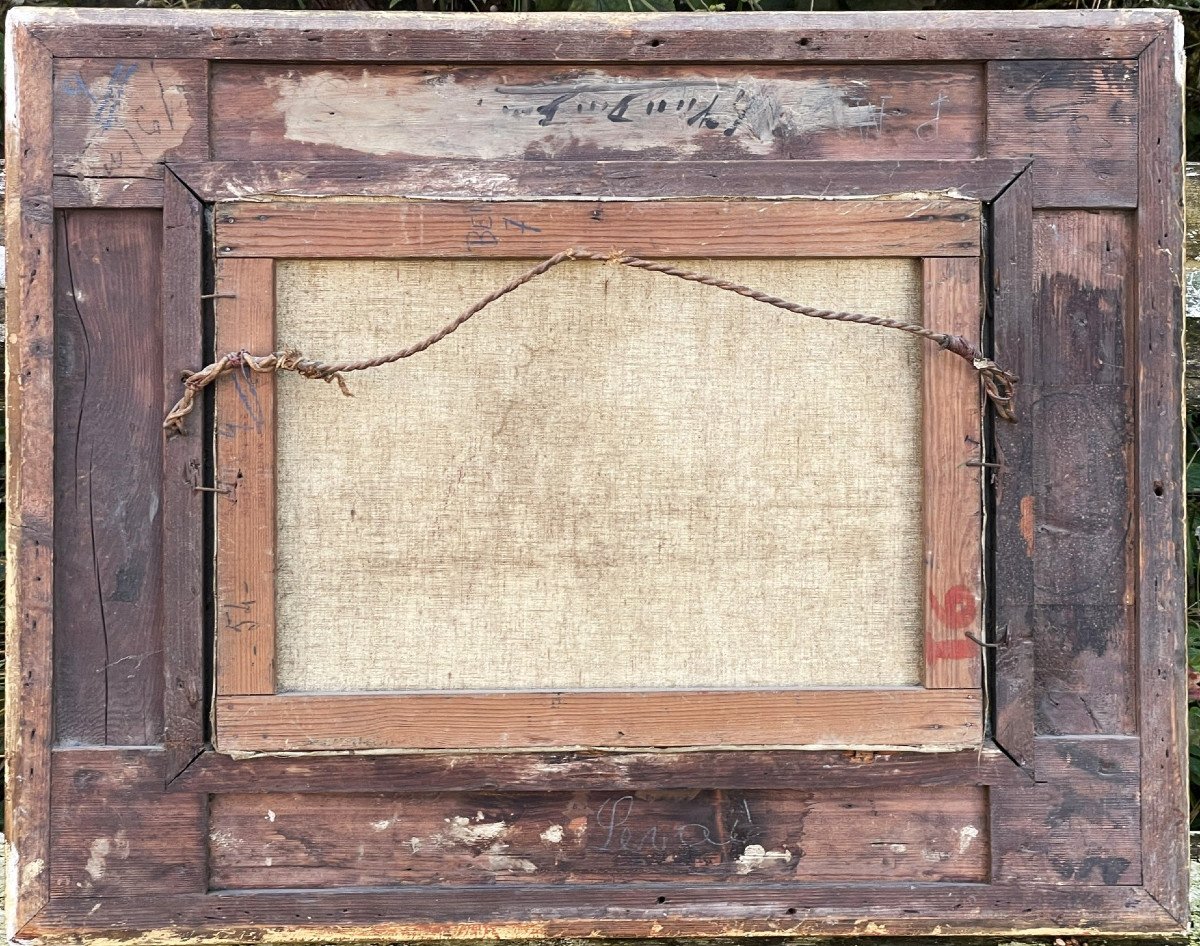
[{"x": 1150, "y": 893}]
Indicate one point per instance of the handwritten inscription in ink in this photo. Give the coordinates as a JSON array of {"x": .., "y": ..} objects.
[{"x": 544, "y": 113}]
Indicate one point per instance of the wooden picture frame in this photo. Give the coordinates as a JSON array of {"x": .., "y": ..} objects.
[
  {"x": 130, "y": 133},
  {"x": 945, "y": 710}
]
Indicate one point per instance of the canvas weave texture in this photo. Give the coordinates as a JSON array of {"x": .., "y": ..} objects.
[{"x": 608, "y": 479}]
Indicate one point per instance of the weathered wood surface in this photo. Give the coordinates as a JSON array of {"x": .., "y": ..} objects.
[
  {"x": 183, "y": 505},
  {"x": 1012, "y": 481},
  {"x": 596, "y": 770},
  {"x": 116, "y": 833},
  {"x": 1159, "y": 581},
  {"x": 983, "y": 179},
  {"x": 1077, "y": 120},
  {"x": 302, "y": 112},
  {"x": 322, "y": 841},
  {"x": 587, "y": 38},
  {"x": 108, "y": 475},
  {"x": 124, "y": 117},
  {"x": 929, "y": 226},
  {"x": 29, "y": 500},
  {"x": 1080, "y": 412}
]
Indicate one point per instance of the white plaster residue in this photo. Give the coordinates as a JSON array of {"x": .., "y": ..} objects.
[
  {"x": 99, "y": 852},
  {"x": 455, "y": 116},
  {"x": 464, "y": 832},
  {"x": 501, "y": 862},
  {"x": 553, "y": 834},
  {"x": 479, "y": 816},
  {"x": 270, "y": 815},
  {"x": 382, "y": 825},
  {"x": 756, "y": 855},
  {"x": 897, "y": 848},
  {"x": 415, "y": 844},
  {"x": 965, "y": 837}
]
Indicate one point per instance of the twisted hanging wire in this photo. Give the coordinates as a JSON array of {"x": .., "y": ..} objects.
[{"x": 999, "y": 385}]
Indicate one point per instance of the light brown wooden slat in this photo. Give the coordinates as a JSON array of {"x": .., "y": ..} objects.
[
  {"x": 943, "y": 718},
  {"x": 464, "y": 229},
  {"x": 245, "y": 480},
  {"x": 953, "y": 499}
]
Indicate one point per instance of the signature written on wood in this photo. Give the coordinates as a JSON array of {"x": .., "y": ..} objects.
[
  {"x": 707, "y": 104},
  {"x": 482, "y": 227},
  {"x": 618, "y": 830}
]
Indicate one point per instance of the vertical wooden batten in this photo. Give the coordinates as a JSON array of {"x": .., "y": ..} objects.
[
  {"x": 245, "y": 483},
  {"x": 29, "y": 396},
  {"x": 953, "y": 513}
]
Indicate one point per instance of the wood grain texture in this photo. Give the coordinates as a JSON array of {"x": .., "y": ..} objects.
[
  {"x": 381, "y": 840},
  {"x": 108, "y": 478},
  {"x": 29, "y": 499},
  {"x": 1080, "y": 825},
  {"x": 1077, "y": 120},
  {"x": 867, "y": 717},
  {"x": 116, "y": 833},
  {"x": 70, "y": 191},
  {"x": 596, "y": 770},
  {"x": 953, "y": 507},
  {"x": 573, "y": 37},
  {"x": 1078, "y": 518},
  {"x": 245, "y": 483},
  {"x": 1158, "y": 486},
  {"x": 981, "y": 179},
  {"x": 750, "y": 228},
  {"x": 1010, "y": 236},
  {"x": 123, "y": 117},
  {"x": 183, "y": 470},
  {"x": 627, "y": 910},
  {"x": 861, "y": 111}
]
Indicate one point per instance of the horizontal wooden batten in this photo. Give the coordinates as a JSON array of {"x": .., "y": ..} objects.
[
  {"x": 903, "y": 716},
  {"x": 599, "y": 37},
  {"x": 981, "y": 179},
  {"x": 749, "y": 228},
  {"x": 273, "y": 841},
  {"x": 534, "y": 112},
  {"x": 594, "y": 770}
]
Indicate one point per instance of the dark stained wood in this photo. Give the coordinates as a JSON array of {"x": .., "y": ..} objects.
[
  {"x": 1056, "y": 846},
  {"x": 122, "y": 117},
  {"x": 1077, "y": 120},
  {"x": 502, "y": 180},
  {"x": 1082, "y": 826},
  {"x": 575, "y": 37},
  {"x": 1158, "y": 485},
  {"x": 107, "y": 191},
  {"x": 1011, "y": 482},
  {"x": 379, "y": 840},
  {"x": 577, "y": 770},
  {"x": 622, "y": 910},
  {"x": 108, "y": 475},
  {"x": 754, "y": 228},
  {"x": 861, "y": 111},
  {"x": 952, "y": 507},
  {"x": 900, "y": 716},
  {"x": 183, "y": 470},
  {"x": 115, "y": 833},
  {"x": 1079, "y": 519},
  {"x": 245, "y": 483},
  {"x": 29, "y": 500}
]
